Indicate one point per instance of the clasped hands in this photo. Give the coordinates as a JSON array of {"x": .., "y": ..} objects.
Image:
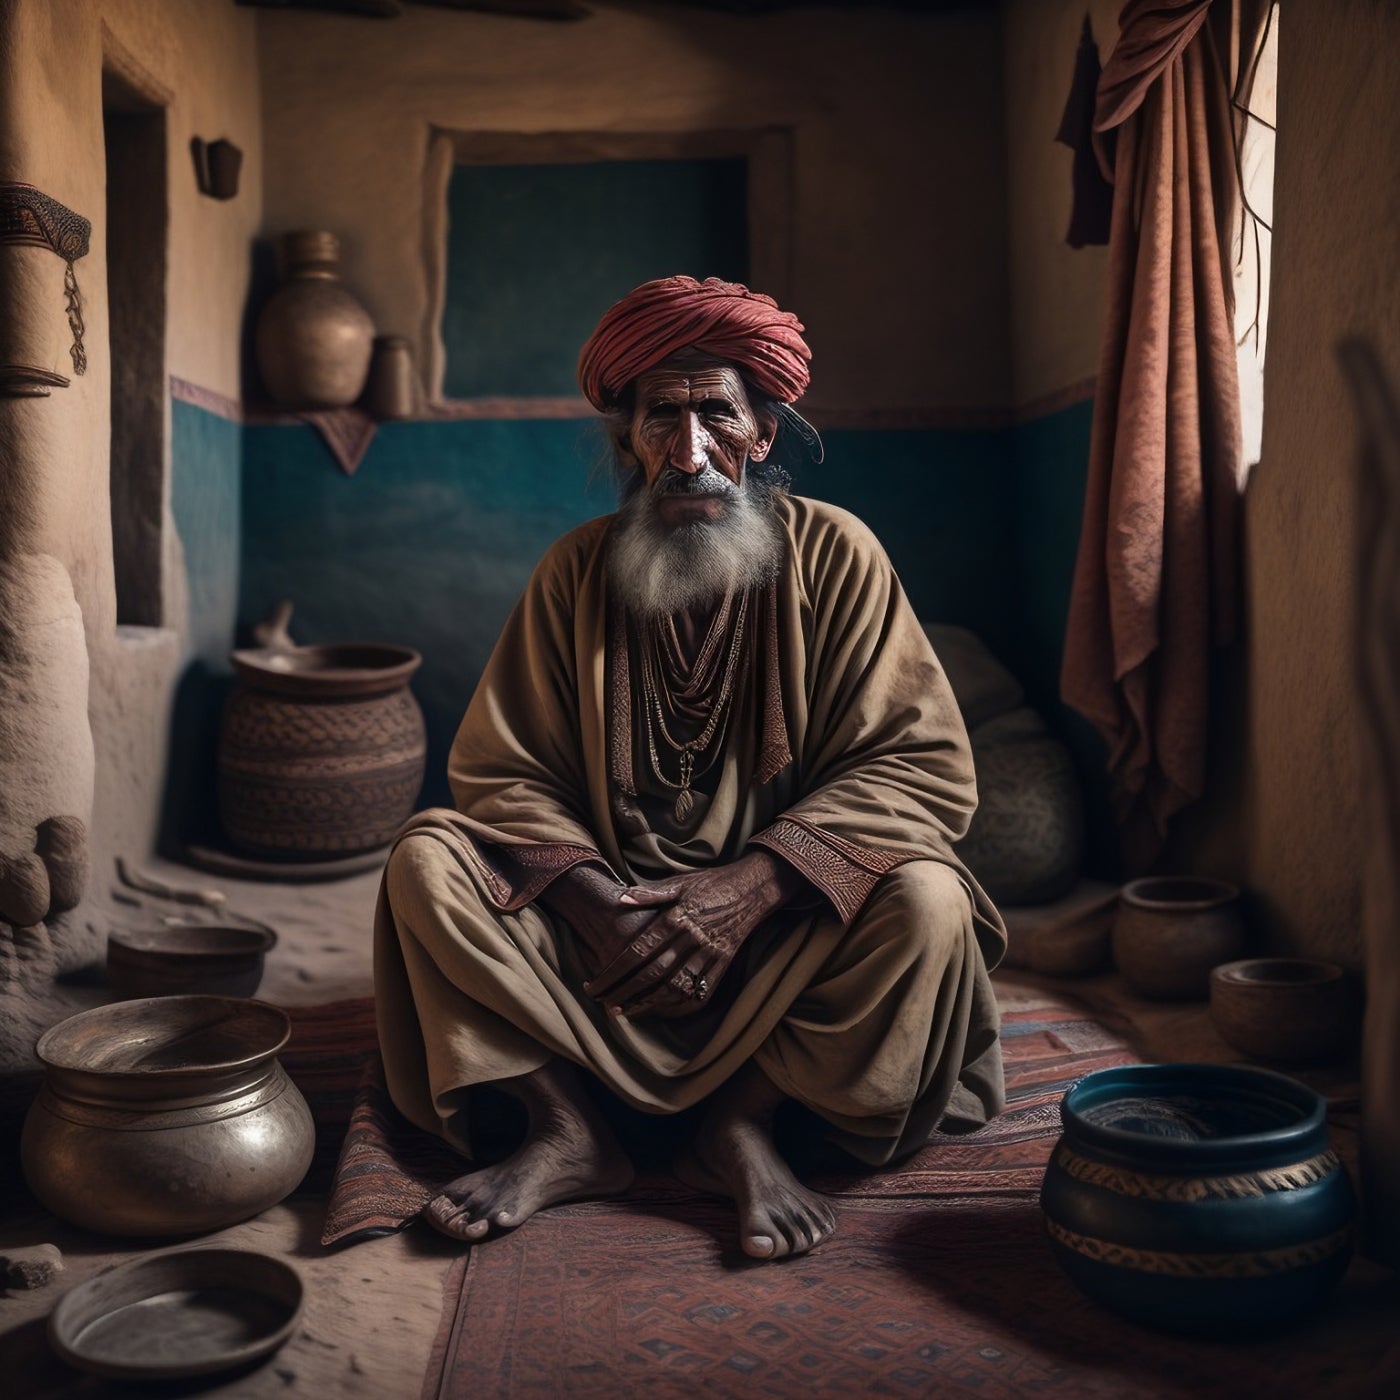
[{"x": 660, "y": 948}]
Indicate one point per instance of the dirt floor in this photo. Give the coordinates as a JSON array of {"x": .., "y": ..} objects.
[{"x": 373, "y": 1309}]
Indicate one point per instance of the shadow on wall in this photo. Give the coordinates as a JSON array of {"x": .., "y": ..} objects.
[{"x": 189, "y": 810}]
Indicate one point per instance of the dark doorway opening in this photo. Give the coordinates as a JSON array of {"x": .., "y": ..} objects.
[{"x": 137, "y": 232}]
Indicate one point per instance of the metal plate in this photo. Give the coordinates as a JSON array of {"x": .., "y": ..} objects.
[{"x": 184, "y": 1312}]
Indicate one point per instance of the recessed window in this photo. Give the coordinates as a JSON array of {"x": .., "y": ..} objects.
[
  {"x": 1254, "y": 235},
  {"x": 536, "y": 252}
]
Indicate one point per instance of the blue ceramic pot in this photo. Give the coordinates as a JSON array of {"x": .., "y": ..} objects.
[{"x": 1203, "y": 1199}]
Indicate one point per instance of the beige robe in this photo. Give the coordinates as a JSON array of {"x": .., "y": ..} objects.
[{"x": 846, "y": 755}]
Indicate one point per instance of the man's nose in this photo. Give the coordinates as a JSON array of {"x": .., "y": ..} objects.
[{"x": 690, "y": 451}]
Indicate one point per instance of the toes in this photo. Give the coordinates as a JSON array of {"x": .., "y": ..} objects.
[
  {"x": 454, "y": 1220},
  {"x": 759, "y": 1246},
  {"x": 795, "y": 1230}
]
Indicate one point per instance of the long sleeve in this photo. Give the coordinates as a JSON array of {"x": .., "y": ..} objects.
[{"x": 886, "y": 771}]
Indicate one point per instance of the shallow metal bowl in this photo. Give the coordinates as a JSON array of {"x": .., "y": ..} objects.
[
  {"x": 182, "y": 1313},
  {"x": 213, "y": 960}
]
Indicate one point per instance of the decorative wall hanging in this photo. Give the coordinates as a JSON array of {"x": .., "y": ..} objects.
[{"x": 30, "y": 217}]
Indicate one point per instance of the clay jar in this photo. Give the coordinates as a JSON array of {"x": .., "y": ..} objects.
[
  {"x": 1294, "y": 1011},
  {"x": 166, "y": 1116},
  {"x": 1198, "y": 1198},
  {"x": 1170, "y": 931},
  {"x": 321, "y": 750},
  {"x": 313, "y": 338}
]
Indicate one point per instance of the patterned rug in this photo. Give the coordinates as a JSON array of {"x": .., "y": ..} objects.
[
  {"x": 389, "y": 1170},
  {"x": 938, "y": 1281}
]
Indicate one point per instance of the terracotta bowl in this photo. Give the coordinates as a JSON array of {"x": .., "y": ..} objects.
[
  {"x": 1297, "y": 1011},
  {"x": 195, "y": 959},
  {"x": 1170, "y": 931}
]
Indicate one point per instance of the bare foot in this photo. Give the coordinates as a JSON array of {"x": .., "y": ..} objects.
[
  {"x": 569, "y": 1154},
  {"x": 734, "y": 1155}
]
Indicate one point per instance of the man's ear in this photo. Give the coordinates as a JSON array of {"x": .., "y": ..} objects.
[
  {"x": 767, "y": 431},
  {"x": 623, "y": 443}
]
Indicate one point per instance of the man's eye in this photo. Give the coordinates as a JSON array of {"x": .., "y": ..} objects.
[{"x": 717, "y": 408}]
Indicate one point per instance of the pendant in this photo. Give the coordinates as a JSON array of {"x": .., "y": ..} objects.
[{"x": 685, "y": 803}]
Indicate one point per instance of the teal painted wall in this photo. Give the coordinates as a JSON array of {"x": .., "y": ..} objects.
[
  {"x": 431, "y": 541},
  {"x": 206, "y": 485},
  {"x": 206, "y": 493},
  {"x": 428, "y": 545},
  {"x": 535, "y": 252},
  {"x": 1050, "y": 461}
]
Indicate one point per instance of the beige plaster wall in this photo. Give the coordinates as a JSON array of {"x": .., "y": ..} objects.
[
  {"x": 1288, "y": 825},
  {"x": 1335, "y": 274},
  {"x": 899, "y": 236},
  {"x": 200, "y": 62},
  {"x": 1056, "y": 292}
]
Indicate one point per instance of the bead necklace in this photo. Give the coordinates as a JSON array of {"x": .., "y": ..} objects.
[{"x": 719, "y": 710}]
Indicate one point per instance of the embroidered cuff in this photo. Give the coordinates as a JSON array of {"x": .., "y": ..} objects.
[
  {"x": 844, "y": 872},
  {"x": 527, "y": 871}
]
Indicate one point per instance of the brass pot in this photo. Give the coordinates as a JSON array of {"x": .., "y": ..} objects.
[
  {"x": 166, "y": 1116},
  {"x": 313, "y": 337}
]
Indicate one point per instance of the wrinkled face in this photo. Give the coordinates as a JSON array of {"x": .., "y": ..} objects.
[{"x": 692, "y": 420}]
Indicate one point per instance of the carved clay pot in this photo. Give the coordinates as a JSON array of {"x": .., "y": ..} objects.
[
  {"x": 166, "y": 1116},
  {"x": 321, "y": 750},
  {"x": 313, "y": 338},
  {"x": 1170, "y": 931},
  {"x": 1202, "y": 1199}
]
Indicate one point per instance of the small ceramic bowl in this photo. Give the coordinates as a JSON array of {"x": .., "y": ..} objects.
[
  {"x": 1297, "y": 1011},
  {"x": 187, "y": 959},
  {"x": 1170, "y": 931}
]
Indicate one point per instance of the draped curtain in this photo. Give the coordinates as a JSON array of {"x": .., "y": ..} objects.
[{"x": 1155, "y": 578}]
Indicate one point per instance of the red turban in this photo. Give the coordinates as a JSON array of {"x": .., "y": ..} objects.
[{"x": 724, "y": 319}]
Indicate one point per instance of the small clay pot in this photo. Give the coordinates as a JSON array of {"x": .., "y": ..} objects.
[
  {"x": 187, "y": 959},
  {"x": 392, "y": 388},
  {"x": 1170, "y": 931},
  {"x": 1297, "y": 1011}
]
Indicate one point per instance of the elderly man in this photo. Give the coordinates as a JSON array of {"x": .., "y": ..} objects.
[{"x": 707, "y": 792}]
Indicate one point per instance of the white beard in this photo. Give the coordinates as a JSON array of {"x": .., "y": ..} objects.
[{"x": 657, "y": 569}]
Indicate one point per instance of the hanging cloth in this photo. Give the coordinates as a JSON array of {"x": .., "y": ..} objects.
[{"x": 1155, "y": 578}]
